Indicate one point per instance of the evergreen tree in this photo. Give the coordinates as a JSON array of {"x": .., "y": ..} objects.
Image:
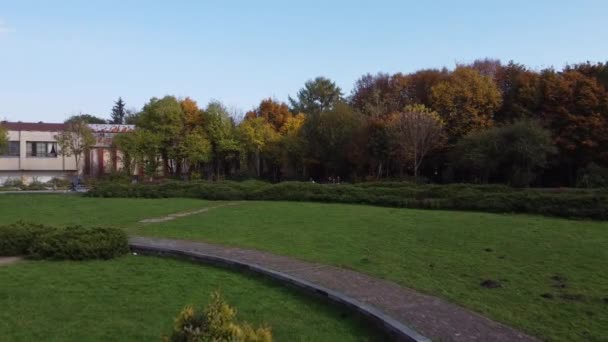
[{"x": 118, "y": 112}]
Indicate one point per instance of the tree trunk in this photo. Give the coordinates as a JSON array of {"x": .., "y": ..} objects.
[{"x": 257, "y": 162}]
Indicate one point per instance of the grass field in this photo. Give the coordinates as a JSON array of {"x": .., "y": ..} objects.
[
  {"x": 136, "y": 299},
  {"x": 551, "y": 272},
  {"x": 75, "y": 209},
  {"x": 443, "y": 253}
]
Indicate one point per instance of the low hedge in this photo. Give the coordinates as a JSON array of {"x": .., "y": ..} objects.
[
  {"x": 568, "y": 203},
  {"x": 16, "y": 239},
  {"x": 71, "y": 243}
]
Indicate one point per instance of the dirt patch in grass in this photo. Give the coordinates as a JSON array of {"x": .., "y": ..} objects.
[
  {"x": 490, "y": 284},
  {"x": 5, "y": 261},
  {"x": 172, "y": 217},
  {"x": 559, "y": 281},
  {"x": 573, "y": 297}
]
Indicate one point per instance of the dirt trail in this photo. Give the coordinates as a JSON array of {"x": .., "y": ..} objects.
[
  {"x": 171, "y": 217},
  {"x": 5, "y": 261}
]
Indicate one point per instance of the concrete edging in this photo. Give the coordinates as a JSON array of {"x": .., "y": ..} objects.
[{"x": 392, "y": 327}]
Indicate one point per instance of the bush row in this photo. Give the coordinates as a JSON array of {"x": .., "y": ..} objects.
[
  {"x": 73, "y": 243},
  {"x": 499, "y": 199}
]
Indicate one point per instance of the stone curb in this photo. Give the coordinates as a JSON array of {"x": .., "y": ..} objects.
[{"x": 395, "y": 329}]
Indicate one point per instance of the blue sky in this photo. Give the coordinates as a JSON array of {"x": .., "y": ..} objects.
[{"x": 59, "y": 58}]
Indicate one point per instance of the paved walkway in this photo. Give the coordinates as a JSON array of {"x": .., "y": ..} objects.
[{"x": 428, "y": 316}]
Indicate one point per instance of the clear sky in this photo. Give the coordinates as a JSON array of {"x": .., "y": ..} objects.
[{"x": 59, "y": 58}]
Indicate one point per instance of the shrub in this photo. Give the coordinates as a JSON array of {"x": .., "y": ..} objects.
[
  {"x": 80, "y": 243},
  {"x": 16, "y": 239},
  {"x": 34, "y": 185},
  {"x": 571, "y": 203},
  {"x": 215, "y": 323},
  {"x": 60, "y": 183},
  {"x": 76, "y": 242},
  {"x": 593, "y": 176},
  {"x": 13, "y": 183}
]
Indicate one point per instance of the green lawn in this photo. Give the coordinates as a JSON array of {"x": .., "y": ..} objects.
[
  {"x": 438, "y": 252},
  {"x": 137, "y": 298},
  {"x": 75, "y": 209},
  {"x": 443, "y": 253}
]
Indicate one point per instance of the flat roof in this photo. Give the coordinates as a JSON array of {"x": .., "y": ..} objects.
[{"x": 33, "y": 126}]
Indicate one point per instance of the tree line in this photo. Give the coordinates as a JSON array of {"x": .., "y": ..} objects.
[{"x": 483, "y": 122}]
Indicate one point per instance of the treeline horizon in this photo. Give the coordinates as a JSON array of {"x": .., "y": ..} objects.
[{"x": 482, "y": 122}]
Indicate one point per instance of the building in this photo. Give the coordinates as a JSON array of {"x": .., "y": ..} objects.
[
  {"x": 104, "y": 158},
  {"x": 33, "y": 154}
]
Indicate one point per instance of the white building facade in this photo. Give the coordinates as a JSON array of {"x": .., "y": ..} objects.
[{"x": 33, "y": 153}]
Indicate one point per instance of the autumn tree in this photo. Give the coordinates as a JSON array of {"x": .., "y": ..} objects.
[
  {"x": 117, "y": 116},
  {"x": 488, "y": 67},
  {"x": 575, "y": 108},
  {"x": 520, "y": 89},
  {"x": 273, "y": 112},
  {"x": 599, "y": 71},
  {"x": 416, "y": 130},
  {"x": 76, "y": 139},
  {"x": 192, "y": 115},
  {"x": 318, "y": 95},
  {"x": 415, "y": 88},
  {"x": 371, "y": 95},
  {"x": 466, "y": 101}
]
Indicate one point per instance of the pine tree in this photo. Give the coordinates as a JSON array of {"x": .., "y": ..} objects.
[{"x": 118, "y": 112}]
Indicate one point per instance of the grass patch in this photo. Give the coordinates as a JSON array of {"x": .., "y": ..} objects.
[
  {"x": 136, "y": 299},
  {"x": 542, "y": 275},
  {"x": 503, "y": 266},
  {"x": 70, "y": 209}
]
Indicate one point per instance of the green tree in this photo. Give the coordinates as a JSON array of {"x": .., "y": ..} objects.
[
  {"x": 293, "y": 145},
  {"x": 86, "y": 118},
  {"x": 75, "y": 140},
  {"x": 3, "y": 139},
  {"x": 256, "y": 136},
  {"x": 318, "y": 95},
  {"x": 198, "y": 149},
  {"x": 165, "y": 118},
  {"x": 149, "y": 149},
  {"x": 118, "y": 112},
  {"x": 466, "y": 101},
  {"x": 221, "y": 130},
  {"x": 514, "y": 152},
  {"x": 329, "y": 136},
  {"x": 126, "y": 143},
  {"x": 131, "y": 117}
]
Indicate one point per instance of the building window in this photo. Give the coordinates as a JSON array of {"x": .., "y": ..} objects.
[
  {"x": 12, "y": 150},
  {"x": 42, "y": 149}
]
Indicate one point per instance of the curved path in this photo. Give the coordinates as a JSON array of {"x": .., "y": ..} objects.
[{"x": 404, "y": 313}]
